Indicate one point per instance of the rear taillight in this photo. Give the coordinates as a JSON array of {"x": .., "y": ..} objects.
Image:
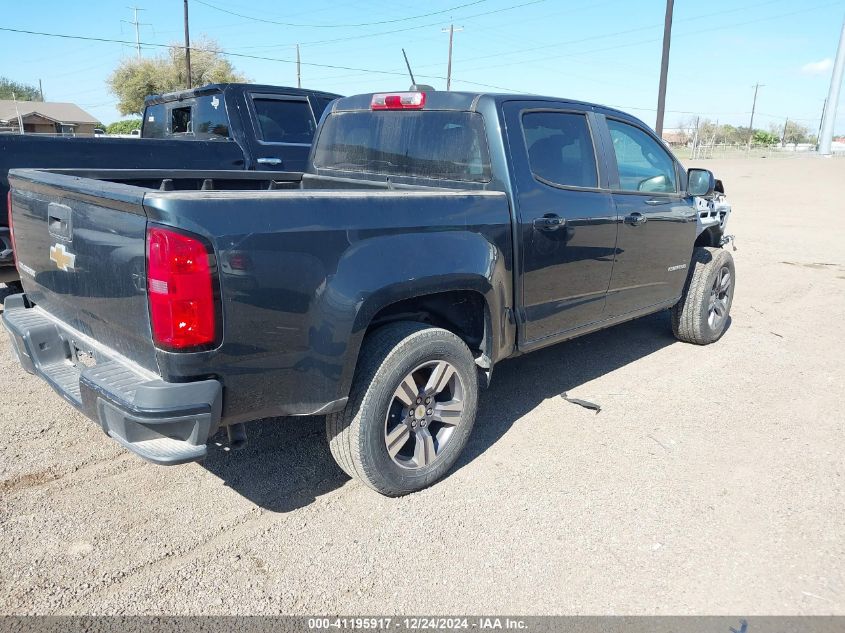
[
  {"x": 398, "y": 101},
  {"x": 11, "y": 226},
  {"x": 180, "y": 286}
]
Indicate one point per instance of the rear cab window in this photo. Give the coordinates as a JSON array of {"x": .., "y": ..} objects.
[
  {"x": 200, "y": 118},
  {"x": 560, "y": 148},
  {"x": 281, "y": 119},
  {"x": 434, "y": 144}
]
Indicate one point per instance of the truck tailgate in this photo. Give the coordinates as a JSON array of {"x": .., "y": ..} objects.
[{"x": 80, "y": 246}]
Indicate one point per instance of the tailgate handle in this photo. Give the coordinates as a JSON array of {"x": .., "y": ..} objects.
[{"x": 58, "y": 220}]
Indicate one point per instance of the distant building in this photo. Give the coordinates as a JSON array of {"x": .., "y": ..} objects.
[
  {"x": 675, "y": 136},
  {"x": 38, "y": 117}
]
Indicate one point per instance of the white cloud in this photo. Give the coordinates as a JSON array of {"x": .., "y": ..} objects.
[{"x": 817, "y": 68}]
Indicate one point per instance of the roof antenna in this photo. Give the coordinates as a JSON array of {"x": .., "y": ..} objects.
[
  {"x": 414, "y": 84},
  {"x": 410, "y": 72}
]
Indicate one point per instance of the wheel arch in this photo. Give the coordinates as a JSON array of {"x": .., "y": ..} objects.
[{"x": 466, "y": 309}]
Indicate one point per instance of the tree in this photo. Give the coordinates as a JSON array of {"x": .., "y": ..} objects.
[
  {"x": 796, "y": 133},
  {"x": 21, "y": 92},
  {"x": 124, "y": 127},
  {"x": 134, "y": 79},
  {"x": 761, "y": 137}
]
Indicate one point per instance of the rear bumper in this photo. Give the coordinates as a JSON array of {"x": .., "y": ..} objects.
[{"x": 163, "y": 422}]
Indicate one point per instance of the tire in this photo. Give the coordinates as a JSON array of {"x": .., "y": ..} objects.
[
  {"x": 15, "y": 287},
  {"x": 395, "y": 359},
  {"x": 703, "y": 313}
]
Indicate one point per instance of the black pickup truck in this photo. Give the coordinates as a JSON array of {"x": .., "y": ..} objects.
[
  {"x": 231, "y": 126},
  {"x": 432, "y": 236}
]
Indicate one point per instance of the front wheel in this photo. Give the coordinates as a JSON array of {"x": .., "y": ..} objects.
[
  {"x": 702, "y": 314},
  {"x": 410, "y": 411}
]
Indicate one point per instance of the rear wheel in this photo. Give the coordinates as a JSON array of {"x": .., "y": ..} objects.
[
  {"x": 410, "y": 411},
  {"x": 702, "y": 314}
]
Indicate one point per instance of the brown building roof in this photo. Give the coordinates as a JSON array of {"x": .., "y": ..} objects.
[{"x": 59, "y": 112}]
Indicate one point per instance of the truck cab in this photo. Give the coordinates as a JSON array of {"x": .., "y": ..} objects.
[{"x": 275, "y": 125}]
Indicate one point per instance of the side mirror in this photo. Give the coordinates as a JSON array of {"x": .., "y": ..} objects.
[{"x": 700, "y": 182}]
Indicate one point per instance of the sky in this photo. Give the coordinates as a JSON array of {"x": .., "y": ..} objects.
[{"x": 605, "y": 51}]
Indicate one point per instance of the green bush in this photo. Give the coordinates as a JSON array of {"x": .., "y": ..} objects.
[{"x": 124, "y": 127}]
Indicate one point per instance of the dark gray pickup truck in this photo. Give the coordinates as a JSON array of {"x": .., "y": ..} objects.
[{"x": 432, "y": 236}]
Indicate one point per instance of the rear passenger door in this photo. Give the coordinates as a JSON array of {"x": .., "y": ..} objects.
[
  {"x": 284, "y": 128},
  {"x": 566, "y": 220},
  {"x": 656, "y": 220}
]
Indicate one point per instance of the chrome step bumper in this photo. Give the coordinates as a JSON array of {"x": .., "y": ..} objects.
[{"x": 163, "y": 422}]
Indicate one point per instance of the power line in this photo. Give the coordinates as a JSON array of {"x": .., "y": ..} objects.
[
  {"x": 637, "y": 42},
  {"x": 400, "y": 72},
  {"x": 340, "y": 26},
  {"x": 582, "y": 53},
  {"x": 393, "y": 31},
  {"x": 243, "y": 55}
]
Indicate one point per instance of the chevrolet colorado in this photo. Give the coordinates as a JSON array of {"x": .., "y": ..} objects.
[
  {"x": 230, "y": 126},
  {"x": 432, "y": 236}
]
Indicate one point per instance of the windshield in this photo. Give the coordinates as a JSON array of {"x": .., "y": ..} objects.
[{"x": 435, "y": 144}]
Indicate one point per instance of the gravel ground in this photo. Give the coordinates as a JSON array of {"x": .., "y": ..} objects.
[{"x": 711, "y": 481}]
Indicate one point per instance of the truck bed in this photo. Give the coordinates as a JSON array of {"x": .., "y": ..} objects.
[{"x": 302, "y": 264}]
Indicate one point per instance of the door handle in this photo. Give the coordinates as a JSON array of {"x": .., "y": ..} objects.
[
  {"x": 549, "y": 222},
  {"x": 653, "y": 202},
  {"x": 635, "y": 219},
  {"x": 269, "y": 161}
]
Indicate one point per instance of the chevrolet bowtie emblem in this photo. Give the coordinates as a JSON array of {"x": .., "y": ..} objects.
[{"x": 62, "y": 258}]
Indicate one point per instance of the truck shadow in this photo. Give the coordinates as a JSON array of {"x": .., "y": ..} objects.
[
  {"x": 287, "y": 464},
  {"x": 520, "y": 384}
]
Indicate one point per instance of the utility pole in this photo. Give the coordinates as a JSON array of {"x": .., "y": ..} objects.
[
  {"x": 451, "y": 30},
  {"x": 821, "y": 122},
  {"x": 757, "y": 86},
  {"x": 695, "y": 139},
  {"x": 187, "y": 46},
  {"x": 298, "y": 71},
  {"x": 134, "y": 22},
  {"x": 40, "y": 90},
  {"x": 826, "y": 134},
  {"x": 783, "y": 136},
  {"x": 664, "y": 68}
]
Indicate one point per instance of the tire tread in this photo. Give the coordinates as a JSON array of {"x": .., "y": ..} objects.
[{"x": 687, "y": 322}]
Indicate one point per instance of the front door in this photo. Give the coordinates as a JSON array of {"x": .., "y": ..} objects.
[
  {"x": 656, "y": 222},
  {"x": 566, "y": 220}
]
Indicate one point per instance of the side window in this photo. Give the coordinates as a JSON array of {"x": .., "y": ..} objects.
[
  {"x": 284, "y": 120},
  {"x": 643, "y": 163},
  {"x": 154, "y": 121},
  {"x": 180, "y": 120},
  {"x": 209, "y": 119},
  {"x": 560, "y": 150}
]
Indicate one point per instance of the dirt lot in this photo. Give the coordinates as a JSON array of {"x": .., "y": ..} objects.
[{"x": 711, "y": 481}]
